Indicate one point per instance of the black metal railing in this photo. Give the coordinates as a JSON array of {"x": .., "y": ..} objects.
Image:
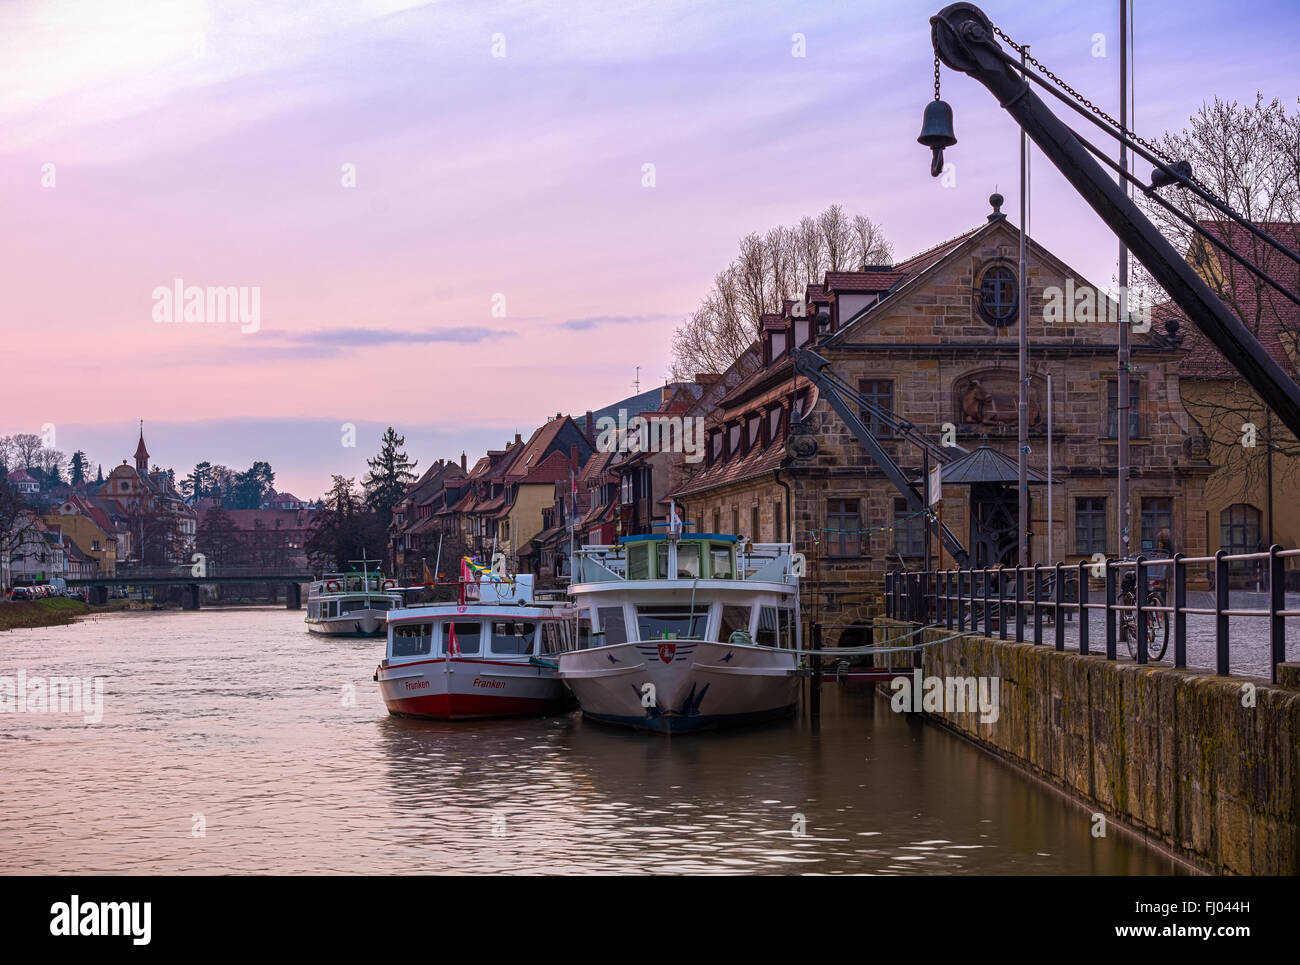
[{"x": 999, "y": 601}]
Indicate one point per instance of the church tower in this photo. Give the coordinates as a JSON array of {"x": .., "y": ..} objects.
[{"x": 142, "y": 454}]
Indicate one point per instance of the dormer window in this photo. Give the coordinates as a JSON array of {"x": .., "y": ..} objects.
[
  {"x": 801, "y": 329},
  {"x": 778, "y": 345},
  {"x": 774, "y": 424},
  {"x": 755, "y": 424},
  {"x": 733, "y": 438}
]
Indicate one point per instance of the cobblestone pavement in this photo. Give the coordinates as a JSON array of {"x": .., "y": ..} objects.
[{"x": 1248, "y": 644}]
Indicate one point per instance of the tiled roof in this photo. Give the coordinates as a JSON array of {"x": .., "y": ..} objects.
[
  {"x": 925, "y": 259},
  {"x": 1272, "y": 317},
  {"x": 864, "y": 281},
  {"x": 754, "y": 463}
]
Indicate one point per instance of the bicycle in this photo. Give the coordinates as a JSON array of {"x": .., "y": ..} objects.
[{"x": 1156, "y": 620}]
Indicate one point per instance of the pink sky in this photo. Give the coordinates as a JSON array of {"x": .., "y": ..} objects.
[{"x": 206, "y": 142}]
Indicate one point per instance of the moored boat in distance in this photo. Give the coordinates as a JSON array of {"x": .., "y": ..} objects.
[
  {"x": 351, "y": 604},
  {"x": 680, "y": 632},
  {"x": 491, "y": 657}
]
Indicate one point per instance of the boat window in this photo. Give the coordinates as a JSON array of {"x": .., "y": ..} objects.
[
  {"x": 512, "y": 637},
  {"x": 767, "y": 627},
  {"x": 612, "y": 625},
  {"x": 584, "y": 630},
  {"x": 734, "y": 619},
  {"x": 412, "y": 639},
  {"x": 351, "y": 606},
  {"x": 638, "y": 562},
  {"x": 789, "y": 634},
  {"x": 721, "y": 563},
  {"x": 661, "y": 571},
  {"x": 466, "y": 634},
  {"x": 672, "y": 621},
  {"x": 688, "y": 561}
]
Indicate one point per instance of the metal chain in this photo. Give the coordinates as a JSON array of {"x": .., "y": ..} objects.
[
  {"x": 1084, "y": 101},
  {"x": 936, "y": 76}
]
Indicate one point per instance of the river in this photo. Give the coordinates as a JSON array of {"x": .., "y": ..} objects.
[{"x": 232, "y": 741}]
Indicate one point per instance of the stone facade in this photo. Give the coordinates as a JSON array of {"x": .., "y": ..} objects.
[{"x": 921, "y": 347}]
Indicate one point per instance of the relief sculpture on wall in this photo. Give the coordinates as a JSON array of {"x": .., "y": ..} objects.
[{"x": 985, "y": 402}]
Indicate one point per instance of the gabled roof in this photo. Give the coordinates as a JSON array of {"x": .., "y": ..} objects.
[{"x": 535, "y": 461}]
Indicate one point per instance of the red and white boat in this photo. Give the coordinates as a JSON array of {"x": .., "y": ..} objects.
[{"x": 491, "y": 657}]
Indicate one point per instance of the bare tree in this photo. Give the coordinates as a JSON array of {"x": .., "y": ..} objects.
[
  {"x": 18, "y": 526},
  {"x": 25, "y": 445},
  {"x": 1249, "y": 156},
  {"x": 837, "y": 237},
  {"x": 869, "y": 244},
  {"x": 769, "y": 269}
]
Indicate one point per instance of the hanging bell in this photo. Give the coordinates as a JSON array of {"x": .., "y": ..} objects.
[{"x": 936, "y": 133}]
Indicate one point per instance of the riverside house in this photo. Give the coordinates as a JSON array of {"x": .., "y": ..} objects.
[{"x": 932, "y": 340}]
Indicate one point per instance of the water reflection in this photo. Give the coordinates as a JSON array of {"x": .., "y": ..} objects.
[{"x": 244, "y": 719}]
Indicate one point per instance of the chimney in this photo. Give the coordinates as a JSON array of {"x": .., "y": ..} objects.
[
  {"x": 589, "y": 427},
  {"x": 462, "y": 461},
  {"x": 518, "y": 438}
]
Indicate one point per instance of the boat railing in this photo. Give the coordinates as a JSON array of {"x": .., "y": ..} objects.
[
  {"x": 351, "y": 583},
  {"x": 750, "y": 562}
]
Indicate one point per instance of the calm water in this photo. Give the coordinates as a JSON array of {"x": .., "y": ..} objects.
[{"x": 243, "y": 718}]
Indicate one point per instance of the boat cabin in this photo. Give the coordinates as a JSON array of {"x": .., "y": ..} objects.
[{"x": 531, "y": 632}]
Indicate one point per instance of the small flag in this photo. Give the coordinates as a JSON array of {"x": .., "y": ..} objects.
[{"x": 428, "y": 577}]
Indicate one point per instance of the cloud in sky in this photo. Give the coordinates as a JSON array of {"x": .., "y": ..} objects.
[
  {"x": 595, "y": 321},
  {"x": 365, "y": 337}
]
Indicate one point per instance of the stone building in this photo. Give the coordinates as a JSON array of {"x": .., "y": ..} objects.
[
  {"x": 1249, "y": 500},
  {"x": 932, "y": 341}
]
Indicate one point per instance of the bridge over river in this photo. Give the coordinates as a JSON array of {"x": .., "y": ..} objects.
[{"x": 185, "y": 577}]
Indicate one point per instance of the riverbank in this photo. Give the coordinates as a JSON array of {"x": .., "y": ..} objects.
[{"x": 56, "y": 611}]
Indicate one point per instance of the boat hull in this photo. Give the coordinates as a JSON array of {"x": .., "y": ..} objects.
[
  {"x": 682, "y": 686},
  {"x": 466, "y": 689},
  {"x": 371, "y": 624}
]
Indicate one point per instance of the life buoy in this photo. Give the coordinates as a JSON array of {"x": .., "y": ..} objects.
[
  {"x": 460, "y": 609},
  {"x": 389, "y": 584},
  {"x": 332, "y": 586}
]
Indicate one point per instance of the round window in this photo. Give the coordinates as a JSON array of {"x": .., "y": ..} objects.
[{"x": 998, "y": 296}]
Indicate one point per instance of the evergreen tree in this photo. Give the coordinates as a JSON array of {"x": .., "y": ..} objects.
[
  {"x": 198, "y": 483},
  {"x": 390, "y": 474},
  {"x": 100, "y": 478},
  {"x": 343, "y": 529},
  {"x": 78, "y": 467},
  {"x": 251, "y": 485}
]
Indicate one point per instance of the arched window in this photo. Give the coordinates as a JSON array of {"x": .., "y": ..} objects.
[{"x": 999, "y": 297}]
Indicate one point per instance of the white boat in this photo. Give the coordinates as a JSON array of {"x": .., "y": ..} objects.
[
  {"x": 491, "y": 657},
  {"x": 351, "y": 604},
  {"x": 683, "y": 632}
]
